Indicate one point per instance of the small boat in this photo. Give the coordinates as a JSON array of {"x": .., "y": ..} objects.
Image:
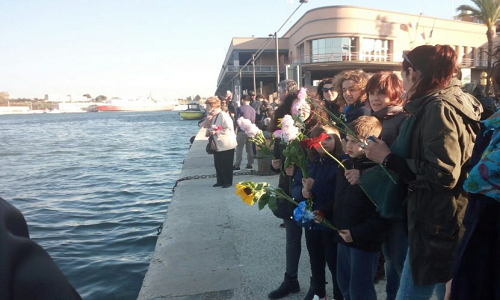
[{"x": 193, "y": 112}]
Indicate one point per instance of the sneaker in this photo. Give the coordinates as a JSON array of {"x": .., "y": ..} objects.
[
  {"x": 236, "y": 168},
  {"x": 249, "y": 167}
]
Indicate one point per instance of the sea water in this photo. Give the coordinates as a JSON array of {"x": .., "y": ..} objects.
[{"x": 94, "y": 188}]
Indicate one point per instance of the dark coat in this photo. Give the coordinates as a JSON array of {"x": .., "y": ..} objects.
[
  {"x": 353, "y": 210},
  {"x": 27, "y": 271},
  {"x": 285, "y": 208},
  {"x": 391, "y": 118},
  {"x": 324, "y": 172},
  {"x": 356, "y": 110},
  {"x": 441, "y": 145}
]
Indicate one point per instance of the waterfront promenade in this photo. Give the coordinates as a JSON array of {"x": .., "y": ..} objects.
[{"x": 213, "y": 246}]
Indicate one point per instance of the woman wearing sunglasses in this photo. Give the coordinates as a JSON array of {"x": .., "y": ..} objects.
[
  {"x": 431, "y": 154},
  {"x": 328, "y": 91}
]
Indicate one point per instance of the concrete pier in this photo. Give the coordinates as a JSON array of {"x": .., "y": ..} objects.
[{"x": 214, "y": 246}]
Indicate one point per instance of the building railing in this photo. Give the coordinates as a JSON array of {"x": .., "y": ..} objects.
[{"x": 343, "y": 57}]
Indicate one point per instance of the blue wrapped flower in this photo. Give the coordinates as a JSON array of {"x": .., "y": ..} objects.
[{"x": 302, "y": 215}]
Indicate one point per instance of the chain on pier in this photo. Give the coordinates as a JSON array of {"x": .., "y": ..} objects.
[{"x": 249, "y": 172}]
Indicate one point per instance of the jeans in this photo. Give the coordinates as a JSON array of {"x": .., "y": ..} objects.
[
  {"x": 356, "y": 270},
  {"x": 394, "y": 249},
  {"x": 243, "y": 141},
  {"x": 409, "y": 291},
  {"x": 322, "y": 250},
  {"x": 293, "y": 246}
]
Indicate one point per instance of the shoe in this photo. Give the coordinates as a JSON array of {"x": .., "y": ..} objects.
[
  {"x": 310, "y": 294},
  {"x": 217, "y": 184},
  {"x": 236, "y": 168},
  {"x": 289, "y": 285},
  {"x": 226, "y": 186},
  {"x": 249, "y": 167}
]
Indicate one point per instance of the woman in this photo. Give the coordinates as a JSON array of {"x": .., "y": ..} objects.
[
  {"x": 353, "y": 84},
  {"x": 288, "y": 96},
  {"x": 328, "y": 92},
  {"x": 384, "y": 91},
  {"x": 434, "y": 149},
  {"x": 220, "y": 125}
]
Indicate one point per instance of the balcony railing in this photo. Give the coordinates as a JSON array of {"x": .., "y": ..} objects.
[
  {"x": 343, "y": 57},
  {"x": 258, "y": 68}
]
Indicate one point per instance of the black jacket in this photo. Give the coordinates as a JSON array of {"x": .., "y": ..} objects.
[{"x": 353, "y": 210}]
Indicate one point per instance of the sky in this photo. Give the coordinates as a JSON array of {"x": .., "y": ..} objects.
[{"x": 168, "y": 49}]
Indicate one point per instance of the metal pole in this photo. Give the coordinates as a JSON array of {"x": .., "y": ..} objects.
[
  {"x": 277, "y": 62},
  {"x": 253, "y": 68}
]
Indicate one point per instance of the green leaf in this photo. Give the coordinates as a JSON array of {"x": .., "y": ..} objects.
[
  {"x": 264, "y": 200},
  {"x": 273, "y": 205}
]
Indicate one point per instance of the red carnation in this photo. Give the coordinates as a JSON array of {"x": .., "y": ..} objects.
[{"x": 313, "y": 142}]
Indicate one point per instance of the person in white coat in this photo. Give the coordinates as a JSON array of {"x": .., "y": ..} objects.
[{"x": 220, "y": 125}]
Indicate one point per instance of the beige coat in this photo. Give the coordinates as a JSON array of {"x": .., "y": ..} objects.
[{"x": 225, "y": 138}]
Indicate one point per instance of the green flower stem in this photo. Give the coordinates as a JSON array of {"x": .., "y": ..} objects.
[
  {"x": 282, "y": 195},
  {"x": 325, "y": 223},
  {"x": 342, "y": 165}
]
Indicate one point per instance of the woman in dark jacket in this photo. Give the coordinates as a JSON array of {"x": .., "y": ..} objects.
[
  {"x": 384, "y": 91},
  {"x": 288, "y": 95},
  {"x": 353, "y": 85},
  {"x": 432, "y": 159}
]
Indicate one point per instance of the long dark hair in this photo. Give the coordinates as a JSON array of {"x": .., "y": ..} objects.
[
  {"x": 317, "y": 116},
  {"x": 436, "y": 65}
]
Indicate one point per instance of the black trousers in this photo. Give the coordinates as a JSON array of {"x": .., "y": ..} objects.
[
  {"x": 223, "y": 162},
  {"x": 322, "y": 251}
]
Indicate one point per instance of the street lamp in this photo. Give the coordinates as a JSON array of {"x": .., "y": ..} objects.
[{"x": 277, "y": 45}]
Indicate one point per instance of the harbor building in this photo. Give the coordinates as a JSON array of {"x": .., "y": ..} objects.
[{"x": 328, "y": 40}]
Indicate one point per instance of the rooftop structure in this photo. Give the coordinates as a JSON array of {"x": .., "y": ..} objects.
[{"x": 328, "y": 40}]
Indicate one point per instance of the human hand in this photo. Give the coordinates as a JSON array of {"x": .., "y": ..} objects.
[
  {"x": 307, "y": 183},
  {"x": 306, "y": 193},
  {"x": 376, "y": 150},
  {"x": 352, "y": 176},
  {"x": 290, "y": 170},
  {"x": 346, "y": 235},
  {"x": 276, "y": 163},
  {"x": 318, "y": 216},
  {"x": 447, "y": 295}
]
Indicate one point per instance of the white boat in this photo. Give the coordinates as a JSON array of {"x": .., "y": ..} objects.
[{"x": 148, "y": 104}]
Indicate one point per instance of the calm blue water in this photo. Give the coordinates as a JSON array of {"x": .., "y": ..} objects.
[{"x": 93, "y": 188}]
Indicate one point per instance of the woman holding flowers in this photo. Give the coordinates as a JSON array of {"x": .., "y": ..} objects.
[
  {"x": 431, "y": 154},
  {"x": 220, "y": 125},
  {"x": 298, "y": 107},
  {"x": 324, "y": 143}
]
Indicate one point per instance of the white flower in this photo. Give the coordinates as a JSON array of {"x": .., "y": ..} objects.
[
  {"x": 252, "y": 130},
  {"x": 243, "y": 123}
]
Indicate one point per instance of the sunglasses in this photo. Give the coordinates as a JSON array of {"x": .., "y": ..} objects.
[
  {"x": 405, "y": 57},
  {"x": 328, "y": 89}
]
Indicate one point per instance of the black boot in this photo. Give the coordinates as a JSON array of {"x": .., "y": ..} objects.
[
  {"x": 310, "y": 293},
  {"x": 289, "y": 285}
]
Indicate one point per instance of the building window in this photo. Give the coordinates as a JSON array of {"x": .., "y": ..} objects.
[
  {"x": 375, "y": 50},
  {"x": 332, "y": 49},
  {"x": 301, "y": 51}
]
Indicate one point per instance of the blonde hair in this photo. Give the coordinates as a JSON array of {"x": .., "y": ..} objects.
[
  {"x": 213, "y": 101},
  {"x": 366, "y": 126}
]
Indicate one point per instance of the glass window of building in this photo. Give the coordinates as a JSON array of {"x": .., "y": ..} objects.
[
  {"x": 375, "y": 50},
  {"x": 332, "y": 49}
]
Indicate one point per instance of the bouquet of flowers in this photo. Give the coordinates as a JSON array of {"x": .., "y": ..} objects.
[
  {"x": 264, "y": 194},
  {"x": 216, "y": 129},
  {"x": 256, "y": 136},
  {"x": 291, "y": 135}
]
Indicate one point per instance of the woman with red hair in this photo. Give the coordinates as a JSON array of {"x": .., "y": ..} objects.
[{"x": 431, "y": 154}]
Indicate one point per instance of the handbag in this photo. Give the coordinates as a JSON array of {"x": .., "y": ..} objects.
[{"x": 212, "y": 146}]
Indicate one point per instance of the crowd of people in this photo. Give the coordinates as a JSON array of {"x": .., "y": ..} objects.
[{"x": 424, "y": 129}]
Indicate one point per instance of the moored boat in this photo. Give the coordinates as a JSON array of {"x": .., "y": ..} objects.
[
  {"x": 117, "y": 104},
  {"x": 193, "y": 112}
]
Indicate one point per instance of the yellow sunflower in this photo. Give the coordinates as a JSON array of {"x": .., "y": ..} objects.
[{"x": 246, "y": 193}]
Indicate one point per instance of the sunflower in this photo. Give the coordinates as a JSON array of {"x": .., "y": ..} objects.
[{"x": 246, "y": 193}]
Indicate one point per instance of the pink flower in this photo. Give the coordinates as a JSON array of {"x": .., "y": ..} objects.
[
  {"x": 252, "y": 130},
  {"x": 243, "y": 123},
  {"x": 277, "y": 134},
  {"x": 302, "y": 93}
]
